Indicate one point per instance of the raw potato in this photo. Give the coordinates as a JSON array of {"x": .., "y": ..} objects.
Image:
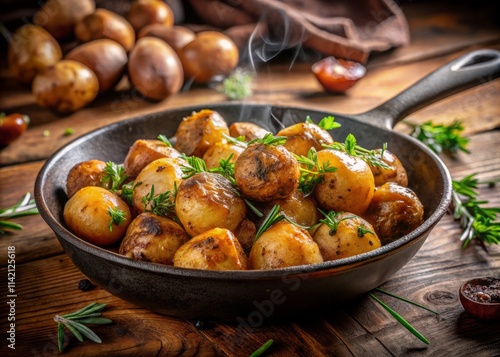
[
  {"x": 31, "y": 50},
  {"x": 248, "y": 130},
  {"x": 144, "y": 152},
  {"x": 146, "y": 12},
  {"x": 350, "y": 188},
  {"x": 346, "y": 240},
  {"x": 283, "y": 245},
  {"x": 155, "y": 69},
  {"x": 197, "y": 132},
  {"x": 221, "y": 150},
  {"x": 396, "y": 173},
  {"x": 105, "y": 24},
  {"x": 87, "y": 215},
  {"x": 83, "y": 174},
  {"x": 106, "y": 58},
  {"x": 65, "y": 87},
  {"x": 302, "y": 136},
  {"x": 302, "y": 210},
  {"x": 60, "y": 16},
  {"x": 176, "y": 36},
  {"x": 216, "y": 249},
  {"x": 207, "y": 200},
  {"x": 153, "y": 238}
]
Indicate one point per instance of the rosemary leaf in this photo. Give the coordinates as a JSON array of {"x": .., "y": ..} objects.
[
  {"x": 94, "y": 320},
  {"x": 84, "y": 330},
  {"x": 406, "y": 300},
  {"x": 262, "y": 349},
  {"x": 60, "y": 336}
]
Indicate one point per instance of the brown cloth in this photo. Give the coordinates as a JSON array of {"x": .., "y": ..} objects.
[{"x": 341, "y": 28}]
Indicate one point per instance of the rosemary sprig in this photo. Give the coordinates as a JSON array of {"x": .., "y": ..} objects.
[
  {"x": 161, "y": 204},
  {"x": 24, "y": 207},
  {"x": 75, "y": 322},
  {"x": 127, "y": 192},
  {"x": 240, "y": 140},
  {"x": 117, "y": 217},
  {"x": 193, "y": 166},
  {"x": 164, "y": 139},
  {"x": 269, "y": 139},
  {"x": 441, "y": 138},
  {"x": 114, "y": 175},
  {"x": 332, "y": 219},
  {"x": 311, "y": 172},
  {"x": 226, "y": 169},
  {"x": 259, "y": 351},
  {"x": 326, "y": 123},
  {"x": 274, "y": 216},
  {"x": 238, "y": 85}
]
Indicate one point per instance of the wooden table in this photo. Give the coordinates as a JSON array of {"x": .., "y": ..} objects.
[{"x": 46, "y": 280}]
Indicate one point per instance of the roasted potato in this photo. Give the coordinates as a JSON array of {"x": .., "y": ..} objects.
[
  {"x": 146, "y": 12},
  {"x": 266, "y": 172},
  {"x": 300, "y": 209},
  {"x": 221, "y": 150},
  {"x": 31, "y": 50},
  {"x": 350, "y": 188},
  {"x": 153, "y": 238},
  {"x": 143, "y": 152},
  {"x": 283, "y": 245},
  {"x": 97, "y": 215},
  {"x": 216, "y": 249},
  {"x": 105, "y": 24},
  {"x": 65, "y": 87},
  {"x": 302, "y": 136},
  {"x": 207, "y": 200},
  {"x": 394, "y": 211},
  {"x": 86, "y": 173},
  {"x": 345, "y": 235},
  {"x": 197, "y": 132},
  {"x": 245, "y": 233},
  {"x": 106, "y": 58},
  {"x": 247, "y": 130},
  {"x": 176, "y": 36},
  {"x": 395, "y": 173}
]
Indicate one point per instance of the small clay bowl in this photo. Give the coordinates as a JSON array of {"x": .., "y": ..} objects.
[{"x": 480, "y": 298}]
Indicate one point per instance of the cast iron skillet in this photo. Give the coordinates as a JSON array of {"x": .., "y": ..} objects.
[{"x": 252, "y": 296}]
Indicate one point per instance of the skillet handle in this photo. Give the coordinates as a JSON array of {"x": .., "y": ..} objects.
[{"x": 472, "y": 69}]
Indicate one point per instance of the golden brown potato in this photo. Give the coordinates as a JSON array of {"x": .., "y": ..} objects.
[
  {"x": 210, "y": 54},
  {"x": 155, "y": 69},
  {"x": 216, "y": 249},
  {"x": 283, "y": 245},
  {"x": 65, "y": 87},
  {"x": 87, "y": 215},
  {"x": 197, "y": 132},
  {"x": 176, "y": 36},
  {"x": 394, "y": 211},
  {"x": 153, "y": 238},
  {"x": 302, "y": 210},
  {"x": 245, "y": 233},
  {"x": 83, "y": 174},
  {"x": 143, "y": 152},
  {"x": 344, "y": 236},
  {"x": 350, "y": 188},
  {"x": 31, "y": 50},
  {"x": 302, "y": 136},
  {"x": 164, "y": 174},
  {"x": 248, "y": 130},
  {"x": 207, "y": 200},
  {"x": 106, "y": 58},
  {"x": 396, "y": 173},
  {"x": 146, "y": 12},
  {"x": 59, "y": 17},
  {"x": 221, "y": 150},
  {"x": 105, "y": 24},
  {"x": 266, "y": 172}
]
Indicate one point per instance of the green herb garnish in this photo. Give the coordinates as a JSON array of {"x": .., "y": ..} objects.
[
  {"x": 238, "y": 85},
  {"x": 226, "y": 169},
  {"x": 127, "y": 192},
  {"x": 262, "y": 349},
  {"x": 327, "y": 123},
  {"x": 68, "y": 131},
  {"x": 269, "y": 139},
  {"x": 114, "y": 176},
  {"x": 441, "y": 138},
  {"x": 194, "y": 166},
  {"x": 24, "y": 207},
  {"x": 164, "y": 139},
  {"x": 117, "y": 217},
  {"x": 311, "y": 172},
  {"x": 161, "y": 204}
]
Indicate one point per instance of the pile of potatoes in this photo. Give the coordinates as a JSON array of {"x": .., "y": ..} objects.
[
  {"x": 157, "y": 56},
  {"x": 209, "y": 218}
]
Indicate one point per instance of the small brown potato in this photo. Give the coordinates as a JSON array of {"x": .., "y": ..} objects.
[
  {"x": 146, "y": 12},
  {"x": 248, "y": 130},
  {"x": 87, "y": 215},
  {"x": 105, "y": 24},
  {"x": 176, "y": 36},
  {"x": 394, "y": 211},
  {"x": 155, "y": 69},
  {"x": 31, "y": 50},
  {"x": 65, "y": 87},
  {"x": 83, "y": 174},
  {"x": 221, "y": 150},
  {"x": 396, "y": 173},
  {"x": 347, "y": 240},
  {"x": 302, "y": 136},
  {"x": 106, "y": 58},
  {"x": 302, "y": 210},
  {"x": 197, "y": 132},
  {"x": 59, "y": 17},
  {"x": 143, "y": 152},
  {"x": 245, "y": 233},
  {"x": 283, "y": 245},
  {"x": 164, "y": 174},
  {"x": 266, "y": 172},
  {"x": 216, "y": 249},
  {"x": 350, "y": 188},
  {"x": 210, "y": 54},
  {"x": 153, "y": 238},
  {"x": 207, "y": 200}
]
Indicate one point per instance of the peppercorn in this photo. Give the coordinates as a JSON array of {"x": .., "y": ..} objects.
[{"x": 85, "y": 285}]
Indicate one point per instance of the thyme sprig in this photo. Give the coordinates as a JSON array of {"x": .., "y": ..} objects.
[
  {"x": 114, "y": 176},
  {"x": 161, "y": 204},
  {"x": 127, "y": 191},
  {"x": 441, "y": 138},
  {"x": 311, "y": 172},
  {"x": 269, "y": 139},
  {"x": 76, "y": 323},
  {"x": 24, "y": 207},
  {"x": 326, "y": 123},
  {"x": 274, "y": 216},
  {"x": 332, "y": 219},
  {"x": 117, "y": 217},
  {"x": 193, "y": 166}
]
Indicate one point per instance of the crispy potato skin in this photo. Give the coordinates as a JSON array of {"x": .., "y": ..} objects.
[
  {"x": 143, "y": 152},
  {"x": 350, "y": 188},
  {"x": 153, "y": 238},
  {"x": 302, "y": 210},
  {"x": 397, "y": 172},
  {"x": 216, "y": 249},
  {"x": 86, "y": 215},
  {"x": 345, "y": 241},
  {"x": 302, "y": 136},
  {"x": 248, "y": 130},
  {"x": 197, "y": 132},
  {"x": 266, "y": 172},
  {"x": 83, "y": 174},
  {"x": 206, "y": 201},
  {"x": 394, "y": 211},
  {"x": 283, "y": 245},
  {"x": 221, "y": 150},
  {"x": 245, "y": 233}
]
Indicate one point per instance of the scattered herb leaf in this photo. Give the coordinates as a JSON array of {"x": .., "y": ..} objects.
[
  {"x": 117, "y": 217},
  {"x": 238, "y": 85},
  {"x": 68, "y": 131},
  {"x": 441, "y": 138},
  {"x": 24, "y": 207},
  {"x": 258, "y": 352}
]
